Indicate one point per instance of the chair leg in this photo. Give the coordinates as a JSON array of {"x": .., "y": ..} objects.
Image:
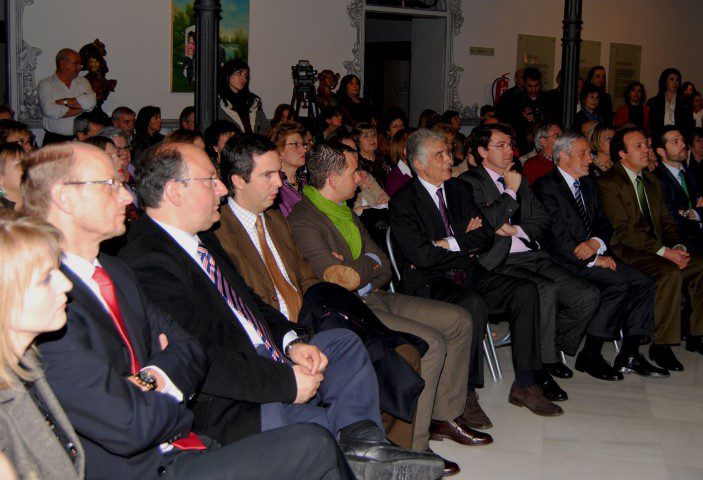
[
  {"x": 563, "y": 358},
  {"x": 489, "y": 360},
  {"x": 492, "y": 348},
  {"x": 618, "y": 343}
]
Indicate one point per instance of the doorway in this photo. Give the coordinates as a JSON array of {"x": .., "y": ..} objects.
[{"x": 404, "y": 62}]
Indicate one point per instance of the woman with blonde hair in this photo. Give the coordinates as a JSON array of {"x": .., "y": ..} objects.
[
  {"x": 37, "y": 437},
  {"x": 600, "y": 139},
  {"x": 292, "y": 148},
  {"x": 11, "y": 156}
]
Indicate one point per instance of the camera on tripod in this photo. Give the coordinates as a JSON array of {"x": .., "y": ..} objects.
[
  {"x": 304, "y": 95},
  {"x": 303, "y": 72}
]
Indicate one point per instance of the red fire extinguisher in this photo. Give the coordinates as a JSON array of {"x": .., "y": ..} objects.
[{"x": 499, "y": 87}]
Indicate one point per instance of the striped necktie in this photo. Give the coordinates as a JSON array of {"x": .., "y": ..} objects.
[
  {"x": 235, "y": 302},
  {"x": 581, "y": 207}
]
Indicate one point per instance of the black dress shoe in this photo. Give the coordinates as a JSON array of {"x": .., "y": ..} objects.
[
  {"x": 597, "y": 367},
  {"x": 664, "y": 357},
  {"x": 637, "y": 363},
  {"x": 450, "y": 468},
  {"x": 694, "y": 344},
  {"x": 458, "y": 431},
  {"x": 550, "y": 388},
  {"x": 374, "y": 460},
  {"x": 558, "y": 370}
]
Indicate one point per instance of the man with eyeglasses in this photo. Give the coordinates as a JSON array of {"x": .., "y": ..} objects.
[
  {"x": 187, "y": 118},
  {"x": 122, "y": 369},
  {"x": 441, "y": 235},
  {"x": 62, "y": 96},
  {"x": 262, "y": 376},
  {"x": 520, "y": 223},
  {"x": 543, "y": 162}
]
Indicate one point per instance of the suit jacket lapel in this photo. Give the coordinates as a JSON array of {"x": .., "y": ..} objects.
[
  {"x": 490, "y": 188},
  {"x": 429, "y": 209},
  {"x": 654, "y": 202},
  {"x": 282, "y": 249}
]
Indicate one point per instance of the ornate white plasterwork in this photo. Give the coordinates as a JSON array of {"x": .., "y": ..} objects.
[
  {"x": 22, "y": 62},
  {"x": 455, "y": 19}
]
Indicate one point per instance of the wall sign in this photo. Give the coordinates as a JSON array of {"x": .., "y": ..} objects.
[{"x": 625, "y": 67}]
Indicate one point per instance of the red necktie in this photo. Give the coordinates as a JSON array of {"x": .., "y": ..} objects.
[{"x": 107, "y": 290}]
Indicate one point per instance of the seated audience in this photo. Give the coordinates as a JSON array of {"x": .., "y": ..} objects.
[
  {"x": 11, "y": 157},
  {"x": 126, "y": 168},
  {"x": 262, "y": 376},
  {"x": 123, "y": 118},
  {"x": 667, "y": 107},
  {"x": 439, "y": 231},
  {"x": 354, "y": 109},
  {"x": 589, "y": 108},
  {"x": 282, "y": 114},
  {"x": 120, "y": 354},
  {"x": 578, "y": 240},
  {"x": 147, "y": 128},
  {"x": 62, "y": 96},
  {"x": 86, "y": 125},
  {"x": 567, "y": 303},
  {"x": 542, "y": 162},
  {"x": 17, "y": 132},
  {"x": 599, "y": 141},
  {"x": 680, "y": 189},
  {"x": 236, "y": 103},
  {"x": 634, "y": 110},
  {"x": 186, "y": 119},
  {"x": 370, "y": 160},
  {"x": 645, "y": 237},
  {"x": 291, "y": 151},
  {"x": 331, "y": 121},
  {"x": 401, "y": 173},
  {"x": 393, "y": 120},
  {"x": 36, "y": 435},
  {"x": 216, "y": 135}
]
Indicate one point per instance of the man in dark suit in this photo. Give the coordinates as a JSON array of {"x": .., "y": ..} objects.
[
  {"x": 645, "y": 237},
  {"x": 567, "y": 303},
  {"x": 440, "y": 231},
  {"x": 578, "y": 240},
  {"x": 121, "y": 369},
  {"x": 680, "y": 188},
  {"x": 262, "y": 375}
]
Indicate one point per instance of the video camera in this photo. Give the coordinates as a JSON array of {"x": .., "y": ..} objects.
[{"x": 304, "y": 73}]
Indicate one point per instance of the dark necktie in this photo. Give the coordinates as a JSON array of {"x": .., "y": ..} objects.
[
  {"x": 107, "y": 290},
  {"x": 235, "y": 302},
  {"x": 501, "y": 180},
  {"x": 682, "y": 177},
  {"x": 642, "y": 198},
  {"x": 443, "y": 213},
  {"x": 581, "y": 208}
]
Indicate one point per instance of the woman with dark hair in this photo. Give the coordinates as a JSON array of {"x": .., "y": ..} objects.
[
  {"x": 11, "y": 156},
  {"x": 667, "y": 107},
  {"x": 634, "y": 111},
  {"x": 393, "y": 121},
  {"x": 596, "y": 78},
  {"x": 366, "y": 139},
  {"x": 216, "y": 135},
  {"x": 12, "y": 131},
  {"x": 330, "y": 122},
  {"x": 146, "y": 130},
  {"x": 282, "y": 114},
  {"x": 696, "y": 106},
  {"x": 236, "y": 102},
  {"x": 429, "y": 118},
  {"x": 687, "y": 89},
  {"x": 353, "y": 108},
  {"x": 589, "y": 107},
  {"x": 401, "y": 173}
]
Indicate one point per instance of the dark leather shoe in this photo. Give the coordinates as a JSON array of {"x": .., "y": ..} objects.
[
  {"x": 374, "y": 460},
  {"x": 558, "y": 370},
  {"x": 532, "y": 398},
  {"x": 638, "y": 364},
  {"x": 597, "y": 367},
  {"x": 694, "y": 344},
  {"x": 474, "y": 416},
  {"x": 664, "y": 357},
  {"x": 550, "y": 388},
  {"x": 450, "y": 468},
  {"x": 458, "y": 431}
]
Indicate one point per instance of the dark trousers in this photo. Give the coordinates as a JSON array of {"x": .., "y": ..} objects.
[
  {"x": 303, "y": 451},
  {"x": 627, "y": 302},
  {"x": 348, "y": 394},
  {"x": 488, "y": 290},
  {"x": 51, "y": 137},
  {"x": 567, "y": 303}
]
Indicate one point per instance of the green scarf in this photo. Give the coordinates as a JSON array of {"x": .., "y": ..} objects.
[{"x": 341, "y": 216}]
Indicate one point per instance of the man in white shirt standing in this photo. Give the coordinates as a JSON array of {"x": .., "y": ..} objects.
[{"x": 62, "y": 96}]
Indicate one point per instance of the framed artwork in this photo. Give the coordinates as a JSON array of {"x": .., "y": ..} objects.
[{"x": 234, "y": 39}]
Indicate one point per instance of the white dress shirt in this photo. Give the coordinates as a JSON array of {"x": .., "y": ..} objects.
[
  {"x": 85, "y": 270},
  {"x": 51, "y": 89},
  {"x": 189, "y": 243},
  {"x": 432, "y": 190}
]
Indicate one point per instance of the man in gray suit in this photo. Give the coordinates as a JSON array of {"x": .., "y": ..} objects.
[{"x": 567, "y": 303}]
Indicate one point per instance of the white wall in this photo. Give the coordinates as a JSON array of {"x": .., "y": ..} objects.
[
  {"x": 137, "y": 36},
  {"x": 669, "y": 31}
]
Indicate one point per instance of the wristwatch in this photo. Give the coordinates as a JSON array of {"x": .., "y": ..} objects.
[
  {"x": 146, "y": 379},
  {"x": 65, "y": 102},
  {"x": 290, "y": 344}
]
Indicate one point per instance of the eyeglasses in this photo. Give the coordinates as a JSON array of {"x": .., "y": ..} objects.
[
  {"x": 502, "y": 145},
  {"x": 298, "y": 144},
  {"x": 213, "y": 180},
  {"x": 114, "y": 183}
]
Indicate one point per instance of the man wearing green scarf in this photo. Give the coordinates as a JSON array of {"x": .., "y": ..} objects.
[{"x": 330, "y": 235}]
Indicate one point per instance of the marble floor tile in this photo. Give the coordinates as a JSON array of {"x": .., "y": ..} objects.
[{"x": 571, "y": 467}]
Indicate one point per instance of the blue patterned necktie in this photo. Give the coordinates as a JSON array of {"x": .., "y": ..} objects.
[
  {"x": 235, "y": 302},
  {"x": 581, "y": 207}
]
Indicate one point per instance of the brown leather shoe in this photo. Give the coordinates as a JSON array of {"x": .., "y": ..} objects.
[
  {"x": 474, "y": 416},
  {"x": 343, "y": 276},
  {"x": 458, "y": 431},
  {"x": 532, "y": 398},
  {"x": 450, "y": 468}
]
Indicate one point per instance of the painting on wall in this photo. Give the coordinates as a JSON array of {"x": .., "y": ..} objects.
[{"x": 234, "y": 39}]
